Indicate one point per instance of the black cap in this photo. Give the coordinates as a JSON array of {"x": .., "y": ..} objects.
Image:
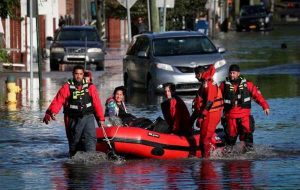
[
  {"x": 122, "y": 88},
  {"x": 170, "y": 85},
  {"x": 234, "y": 67},
  {"x": 199, "y": 69}
]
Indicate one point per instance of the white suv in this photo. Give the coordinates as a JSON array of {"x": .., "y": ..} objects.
[{"x": 155, "y": 58}]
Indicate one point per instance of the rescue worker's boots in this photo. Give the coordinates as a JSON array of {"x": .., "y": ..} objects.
[
  {"x": 71, "y": 154},
  {"x": 207, "y": 150},
  {"x": 230, "y": 142},
  {"x": 249, "y": 142}
]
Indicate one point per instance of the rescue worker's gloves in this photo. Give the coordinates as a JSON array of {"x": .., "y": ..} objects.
[
  {"x": 202, "y": 116},
  {"x": 100, "y": 123},
  {"x": 48, "y": 116},
  {"x": 267, "y": 111}
]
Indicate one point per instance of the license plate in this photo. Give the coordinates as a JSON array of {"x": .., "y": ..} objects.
[
  {"x": 252, "y": 26},
  {"x": 188, "y": 86}
]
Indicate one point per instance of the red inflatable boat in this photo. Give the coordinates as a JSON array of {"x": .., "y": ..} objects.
[{"x": 138, "y": 142}]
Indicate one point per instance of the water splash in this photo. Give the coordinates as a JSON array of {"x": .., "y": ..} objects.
[
  {"x": 238, "y": 153},
  {"x": 92, "y": 158}
]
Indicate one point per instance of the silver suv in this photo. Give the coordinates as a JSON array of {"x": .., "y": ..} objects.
[
  {"x": 155, "y": 58},
  {"x": 77, "y": 45}
]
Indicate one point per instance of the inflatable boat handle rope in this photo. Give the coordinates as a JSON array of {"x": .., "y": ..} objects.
[
  {"x": 112, "y": 154},
  {"x": 105, "y": 135}
]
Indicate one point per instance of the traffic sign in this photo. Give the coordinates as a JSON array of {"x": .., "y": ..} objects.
[
  {"x": 124, "y": 3},
  {"x": 167, "y": 3}
]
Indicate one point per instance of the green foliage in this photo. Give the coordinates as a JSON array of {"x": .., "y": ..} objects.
[
  {"x": 114, "y": 9},
  {"x": 4, "y": 56},
  {"x": 7, "y": 8},
  {"x": 187, "y": 8}
]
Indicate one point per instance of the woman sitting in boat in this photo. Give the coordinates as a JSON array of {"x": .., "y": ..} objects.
[
  {"x": 115, "y": 108},
  {"x": 175, "y": 112},
  {"x": 116, "y": 113}
]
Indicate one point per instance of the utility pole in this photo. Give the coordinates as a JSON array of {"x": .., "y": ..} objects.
[
  {"x": 31, "y": 49},
  {"x": 100, "y": 4},
  {"x": 38, "y": 48},
  {"x": 129, "y": 21},
  {"x": 149, "y": 14},
  {"x": 154, "y": 16},
  {"x": 164, "y": 15}
]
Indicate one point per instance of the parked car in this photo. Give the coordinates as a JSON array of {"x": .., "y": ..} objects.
[
  {"x": 254, "y": 17},
  {"x": 155, "y": 58},
  {"x": 76, "y": 45},
  {"x": 289, "y": 10}
]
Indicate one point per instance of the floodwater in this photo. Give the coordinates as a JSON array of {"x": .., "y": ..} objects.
[{"x": 34, "y": 155}]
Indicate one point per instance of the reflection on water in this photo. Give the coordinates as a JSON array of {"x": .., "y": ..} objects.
[{"x": 175, "y": 174}]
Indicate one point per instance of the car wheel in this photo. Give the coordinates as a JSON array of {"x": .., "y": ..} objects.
[
  {"x": 100, "y": 66},
  {"x": 238, "y": 28},
  {"x": 128, "y": 83},
  {"x": 150, "y": 87},
  {"x": 54, "y": 66}
]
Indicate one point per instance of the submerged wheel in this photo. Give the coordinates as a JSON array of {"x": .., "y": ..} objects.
[
  {"x": 128, "y": 83},
  {"x": 239, "y": 28},
  {"x": 150, "y": 87},
  {"x": 54, "y": 66},
  {"x": 100, "y": 66}
]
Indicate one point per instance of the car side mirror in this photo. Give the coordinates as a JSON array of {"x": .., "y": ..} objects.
[
  {"x": 49, "y": 38},
  {"x": 142, "y": 54},
  {"x": 221, "y": 50}
]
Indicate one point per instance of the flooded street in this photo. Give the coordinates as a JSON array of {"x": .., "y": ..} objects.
[{"x": 35, "y": 156}]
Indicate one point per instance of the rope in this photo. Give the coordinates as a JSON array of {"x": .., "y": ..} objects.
[
  {"x": 105, "y": 135},
  {"x": 106, "y": 138}
]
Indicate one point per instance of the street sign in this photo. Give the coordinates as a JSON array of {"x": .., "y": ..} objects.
[
  {"x": 129, "y": 2},
  {"x": 169, "y": 3}
]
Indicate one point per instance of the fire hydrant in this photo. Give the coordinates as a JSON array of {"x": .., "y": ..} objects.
[{"x": 12, "y": 90}]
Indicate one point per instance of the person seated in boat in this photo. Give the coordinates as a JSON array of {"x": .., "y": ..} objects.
[
  {"x": 115, "y": 108},
  {"x": 175, "y": 112},
  {"x": 116, "y": 112}
]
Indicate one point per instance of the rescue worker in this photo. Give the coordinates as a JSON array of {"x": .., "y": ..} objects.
[
  {"x": 175, "y": 112},
  {"x": 81, "y": 102},
  {"x": 238, "y": 121},
  {"x": 207, "y": 108}
]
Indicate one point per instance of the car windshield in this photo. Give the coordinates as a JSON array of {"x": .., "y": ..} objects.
[
  {"x": 183, "y": 46},
  {"x": 77, "y": 35},
  {"x": 254, "y": 11}
]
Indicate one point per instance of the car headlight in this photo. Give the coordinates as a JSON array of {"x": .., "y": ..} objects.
[
  {"x": 267, "y": 19},
  {"x": 220, "y": 63},
  {"x": 164, "y": 66},
  {"x": 94, "y": 50},
  {"x": 57, "y": 50}
]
